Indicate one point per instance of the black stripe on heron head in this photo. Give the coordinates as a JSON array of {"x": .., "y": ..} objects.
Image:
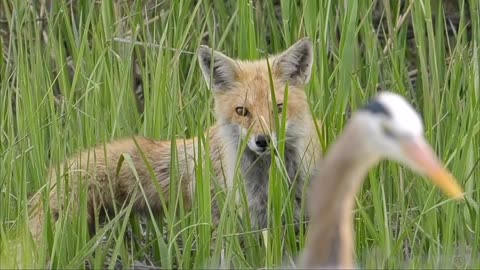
[{"x": 376, "y": 107}]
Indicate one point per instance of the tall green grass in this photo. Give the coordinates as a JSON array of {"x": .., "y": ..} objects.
[{"x": 401, "y": 220}]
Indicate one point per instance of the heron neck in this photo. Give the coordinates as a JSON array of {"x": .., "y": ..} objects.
[{"x": 329, "y": 241}]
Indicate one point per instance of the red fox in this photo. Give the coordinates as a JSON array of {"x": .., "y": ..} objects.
[{"x": 244, "y": 111}]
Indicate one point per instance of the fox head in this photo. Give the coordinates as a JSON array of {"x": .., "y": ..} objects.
[{"x": 243, "y": 96}]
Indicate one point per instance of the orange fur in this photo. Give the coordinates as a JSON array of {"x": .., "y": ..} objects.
[{"x": 235, "y": 84}]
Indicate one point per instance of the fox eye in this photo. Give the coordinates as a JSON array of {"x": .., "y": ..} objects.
[
  {"x": 279, "y": 107},
  {"x": 242, "y": 111}
]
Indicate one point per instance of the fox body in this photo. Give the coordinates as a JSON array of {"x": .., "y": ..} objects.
[{"x": 244, "y": 111}]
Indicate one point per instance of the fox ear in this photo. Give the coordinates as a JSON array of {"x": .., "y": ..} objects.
[
  {"x": 218, "y": 69},
  {"x": 295, "y": 64}
]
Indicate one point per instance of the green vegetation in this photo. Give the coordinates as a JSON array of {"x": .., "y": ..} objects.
[{"x": 66, "y": 84}]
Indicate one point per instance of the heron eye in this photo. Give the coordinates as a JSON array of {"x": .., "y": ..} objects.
[
  {"x": 242, "y": 111},
  {"x": 279, "y": 107},
  {"x": 388, "y": 132}
]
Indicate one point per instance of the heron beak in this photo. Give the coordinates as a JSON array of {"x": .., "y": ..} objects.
[{"x": 424, "y": 159}]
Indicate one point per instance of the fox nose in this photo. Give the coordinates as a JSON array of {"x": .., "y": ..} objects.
[{"x": 262, "y": 141}]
